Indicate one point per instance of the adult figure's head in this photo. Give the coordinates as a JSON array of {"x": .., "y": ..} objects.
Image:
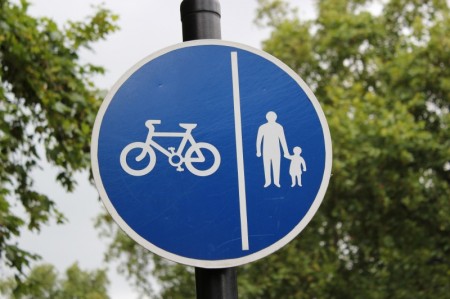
[{"x": 271, "y": 116}]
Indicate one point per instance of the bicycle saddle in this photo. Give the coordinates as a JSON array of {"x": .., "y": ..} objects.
[
  {"x": 188, "y": 126},
  {"x": 152, "y": 122}
]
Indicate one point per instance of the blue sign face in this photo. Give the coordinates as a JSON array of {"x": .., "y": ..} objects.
[{"x": 211, "y": 154}]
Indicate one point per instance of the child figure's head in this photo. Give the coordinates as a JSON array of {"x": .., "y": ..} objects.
[{"x": 297, "y": 150}]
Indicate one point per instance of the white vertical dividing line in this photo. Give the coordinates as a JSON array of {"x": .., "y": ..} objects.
[{"x": 239, "y": 151}]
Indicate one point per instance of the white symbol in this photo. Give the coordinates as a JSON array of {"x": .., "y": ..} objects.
[
  {"x": 239, "y": 150},
  {"x": 298, "y": 165},
  {"x": 271, "y": 135},
  {"x": 191, "y": 158}
]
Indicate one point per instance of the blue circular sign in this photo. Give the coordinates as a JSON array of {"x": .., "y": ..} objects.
[{"x": 211, "y": 154}]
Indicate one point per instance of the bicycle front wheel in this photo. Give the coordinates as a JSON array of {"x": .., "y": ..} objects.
[
  {"x": 141, "y": 150},
  {"x": 206, "y": 150}
]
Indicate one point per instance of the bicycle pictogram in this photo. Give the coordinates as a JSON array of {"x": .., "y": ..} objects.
[{"x": 193, "y": 158}]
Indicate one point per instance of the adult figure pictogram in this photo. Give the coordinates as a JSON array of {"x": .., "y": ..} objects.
[{"x": 271, "y": 136}]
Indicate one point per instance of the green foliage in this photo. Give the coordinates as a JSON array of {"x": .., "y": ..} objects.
[
  {"x": 383, "y": 83},
  {"x": 43, "y": 282},
  {"x": 272, "y": 12},
  {"x": 47, "y": 100},
  {"x": 383, "y": 229}
]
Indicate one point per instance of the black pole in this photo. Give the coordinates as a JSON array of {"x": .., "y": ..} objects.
[
  {"x": 216, "y": 283},
  {"x": 201, "y": 20}
]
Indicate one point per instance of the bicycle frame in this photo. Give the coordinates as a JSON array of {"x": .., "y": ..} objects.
[{"x": 187, "y": 137}]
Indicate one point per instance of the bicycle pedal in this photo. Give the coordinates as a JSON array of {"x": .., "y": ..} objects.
[
  {"x": 172, "y": 149},
  {"x": 180, "y": 169}
]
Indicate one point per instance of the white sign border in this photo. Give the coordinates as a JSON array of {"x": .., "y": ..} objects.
[{"x": 226, "y": 263}]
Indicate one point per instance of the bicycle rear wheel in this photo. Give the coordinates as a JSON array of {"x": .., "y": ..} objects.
[{"x": 144, "y": 150}]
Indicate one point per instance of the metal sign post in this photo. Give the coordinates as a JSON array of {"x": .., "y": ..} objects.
[{"x": 201, "y": 20}]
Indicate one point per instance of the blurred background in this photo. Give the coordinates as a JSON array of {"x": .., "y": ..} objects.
[{"x": 380, "y": 70}]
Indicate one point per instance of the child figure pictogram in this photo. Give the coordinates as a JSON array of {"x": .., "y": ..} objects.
[{"x": 298, "y": 165}]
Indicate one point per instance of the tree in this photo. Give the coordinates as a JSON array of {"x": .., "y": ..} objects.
[
  {"x": 382, "y": 230},
  {"x": 43, "y": 282},
  {"x": 47, "y": 104}
]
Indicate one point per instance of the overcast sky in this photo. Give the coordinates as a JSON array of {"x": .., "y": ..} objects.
[{"x": 146, "y": 26}]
